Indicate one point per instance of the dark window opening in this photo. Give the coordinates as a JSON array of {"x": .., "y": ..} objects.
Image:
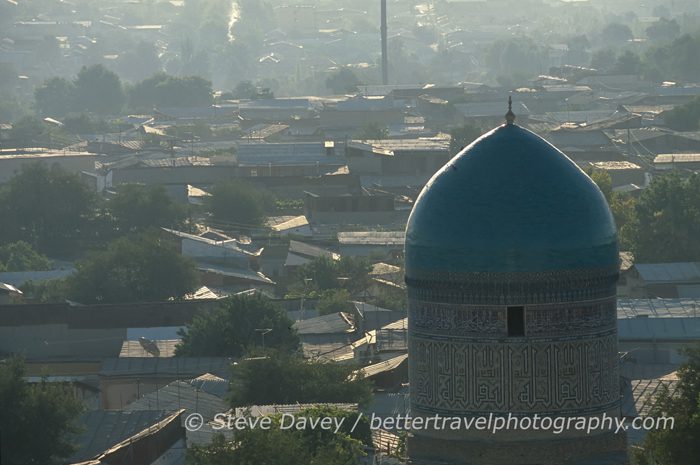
[{"x": 516, "y": 321}]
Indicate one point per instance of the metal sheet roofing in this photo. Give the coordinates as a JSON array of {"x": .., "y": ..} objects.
[
  {"x": 104, "y": 429},
  {"x": 182, "y": 367},
  {"x": 682, "y": 272},
  {"x": 372, "y": 238},
  {"x": 180, "y": 395},
  {"x": 335, "y": 323}
]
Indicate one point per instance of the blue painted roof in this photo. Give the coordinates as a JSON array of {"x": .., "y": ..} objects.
[{"x": 510, "y": 202}]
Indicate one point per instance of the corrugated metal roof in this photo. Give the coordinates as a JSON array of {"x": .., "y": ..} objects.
[
  {"x": 104, "y": 429},
  {"x": 372, "y": 238},
  {"x": 657, "y": 273},
  {"x": 182, "y": 367},
  {"x": 677, "y": 158},
  {"x": 180, "y": 395},
  {"x": 335, "y": 323},
  {"x": 166, "y": 348},
  {"x": 383, "y": 367}
]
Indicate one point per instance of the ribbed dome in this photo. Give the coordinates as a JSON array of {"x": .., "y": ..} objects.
[{"x": 510, "y": 202}]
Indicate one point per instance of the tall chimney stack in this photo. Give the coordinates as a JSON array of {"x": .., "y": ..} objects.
[{"x": 385, "y": 58}]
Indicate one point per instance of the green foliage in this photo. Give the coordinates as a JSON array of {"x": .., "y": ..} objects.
[
  {"x": 603, "y": 181},
  {"x": 46, "y": 292},
  {"x": 244, "y": 90},
  {"x": 82, "y": 123},
  {"x": 628, "y": 63},
  {"x": 323, "y": 273},
  {"x": 616, "y": 33},
  {"x": 139, "y": 62},
  {"x": 98, "y": 90},
  {"x": 334, "y": 301},
  {"x": 137, "y": 207},
  {"x": 284, "y": 446},
  {"x": 343, "y": 81},
  {"x": 663, "y": 30},
  {"x": 373, "y": 131},
  {"x": 136, "y": 268},
  {"x": 284, "y": 379},
  {"x": 516, "y": 56},
  {"x": 668, "y": 213},
  {"x": 20, "y": 256},
  {"x": 55, "y": 97},
  {"x": 162, "y": 90},
  {"x": 685, "y": 117},
  {"x": 603, "y": 60},
  {"x": 49, "y": 208},
  {"x": 391, "y": 298},
  {"x": 38, "y": 420},
  {"x": 679, "y": 60},
  {"x": 30, "y": 131},
  {"x": 239, "y": 202},
  {"x": 463, "y": 136},
  {"x": 231, "y": 329},
  {"x": 681, "y": 444}
]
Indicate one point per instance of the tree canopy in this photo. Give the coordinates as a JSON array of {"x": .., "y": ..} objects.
[
  {"x": 38, "y": 420},
  {"x": 47, "y": 207},
  {"x": 162, "y": 90},
  {"x": 287, "y": 379},
  {"x": 323, "y": 273},
  {"x": 235, "y": 327},
  {"x": 343, "y": 81},
  {"x": 307, "y": 446},
  {"x": 679, "y": 445},
  {"x": 240, "y": 203},
  {"x": 20, "y": 256},
  {"x": 668, "y": 216},
  {"x": 135, "y": 268},
  {"x": 137, "y": 207},
  {"x": 98, "y": 90}
]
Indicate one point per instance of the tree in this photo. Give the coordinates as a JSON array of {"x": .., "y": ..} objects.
[
  {"x": 137, "y": 268},
  {"x": 323, "y": 273},
  {"x": 285, "y": 379},
  {"x": 137, "y": 207},
  {"x": 162, "y": 90},
  {"x": 616, "y": 33},
  {"x": 139, "y": 62},
  {"x": 235, "y": 327},
  {"x": 603, "y": 60},
  {"x": 373, "y": 131},
  {"x": 668, "y": 215},
  {"x": 334, "y": 301},
  {"x": 603, "y": 181},
  {"x": 55, "y": 97},
  {"x": 240, "y": 203},
  {"x": 245, "y": 90},
  {"x": 38, "y": 420},
  {"x": 463, "y": 136},
  {"x": 679, "y": 445},
  {"x": 663, "y": 30},
  {"x": 628, "y": 63},
  {"x": 20, "y": 256},
  {"x": 304, "y": 446},
  {"x": 678, "y": 60},
  {"x": 98, "y": 90},
  {"x": 343, "y": 81},
  {"x": 684, "y": 117},
  {"x": 47, "y": 207},
  {"x": 30, "y": 131}
]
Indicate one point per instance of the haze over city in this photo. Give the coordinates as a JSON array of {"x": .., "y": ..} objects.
[{"x": 371, "y": 233}]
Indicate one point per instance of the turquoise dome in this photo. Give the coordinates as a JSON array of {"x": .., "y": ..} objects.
[{"x": 510, "y": 202}]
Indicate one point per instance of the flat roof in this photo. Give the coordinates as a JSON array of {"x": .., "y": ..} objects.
[
  {"x": 616, "y": 165},
  {"x": 677, "y": 158},
  {"x": 372, "y": 238},
  {"x": 6, "y": 154}
]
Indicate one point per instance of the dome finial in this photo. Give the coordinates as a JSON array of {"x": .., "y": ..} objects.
[{"x": 510, "y": 116}]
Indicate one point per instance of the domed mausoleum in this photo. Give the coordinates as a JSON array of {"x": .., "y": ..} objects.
[{"x": 511, "y": 270}]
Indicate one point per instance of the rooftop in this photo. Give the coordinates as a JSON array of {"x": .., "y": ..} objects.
[
  {"x": 372, "y": 238},
  {"x": 658, "y": 273}
]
